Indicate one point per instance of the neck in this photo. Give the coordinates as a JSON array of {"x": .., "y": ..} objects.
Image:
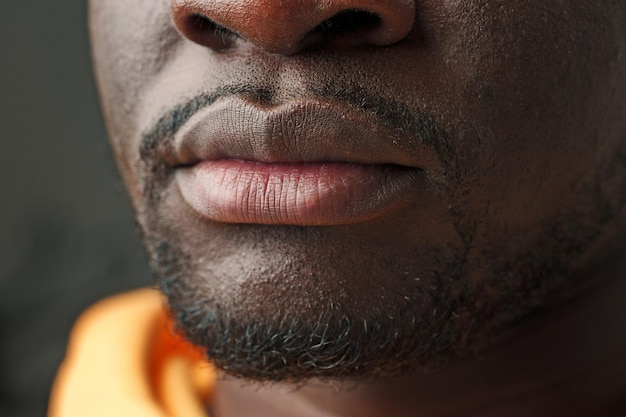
[{"x": 567, "y": 360}]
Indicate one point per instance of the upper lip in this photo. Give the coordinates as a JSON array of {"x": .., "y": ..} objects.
[{"x": 301, "y": 130}]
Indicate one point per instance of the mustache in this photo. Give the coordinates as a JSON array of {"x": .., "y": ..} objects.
[{"x": 396, "y": 116}]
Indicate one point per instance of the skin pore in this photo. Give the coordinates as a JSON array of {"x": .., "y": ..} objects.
[{"x": 381, "y": 207}]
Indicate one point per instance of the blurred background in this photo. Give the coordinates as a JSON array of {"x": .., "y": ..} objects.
[{"x": 67, "y": 237}]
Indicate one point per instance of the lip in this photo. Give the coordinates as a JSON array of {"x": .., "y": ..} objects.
[{"x": 303, "y": 162}]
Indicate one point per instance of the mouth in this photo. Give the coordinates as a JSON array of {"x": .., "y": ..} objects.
[{"x": 304, "y": 162}]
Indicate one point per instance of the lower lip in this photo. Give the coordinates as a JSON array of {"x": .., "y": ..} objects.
[{"x": 305, "y": 194}]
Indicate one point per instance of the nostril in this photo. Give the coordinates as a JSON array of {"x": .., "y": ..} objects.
[
  {"x": 204, "y": 24},
  {"x": 346, "y": 28},
  {"x": 205, "y": 31},
  {"x": 348, "y": 21}
]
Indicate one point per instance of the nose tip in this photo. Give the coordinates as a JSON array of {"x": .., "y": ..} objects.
[{"x": 290, "y": 26}]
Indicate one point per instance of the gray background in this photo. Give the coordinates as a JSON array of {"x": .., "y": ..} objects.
[{"x": 66, "y": 233}]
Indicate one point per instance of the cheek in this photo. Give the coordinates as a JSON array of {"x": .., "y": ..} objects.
[
  {"x": 522, "y": 88},
  {"x": 131, "y": 42}
]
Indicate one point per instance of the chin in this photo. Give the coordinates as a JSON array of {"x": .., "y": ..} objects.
[
  {"x": 278, "y": 315},
  {"x": 283, "y": 309}
]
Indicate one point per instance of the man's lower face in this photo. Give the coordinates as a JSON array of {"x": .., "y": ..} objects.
[
  {"x": 290, "y": 303},
  {"x": 346, "y": 211}
]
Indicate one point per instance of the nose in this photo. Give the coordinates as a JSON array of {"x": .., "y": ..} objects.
[{"x": 290, "y": 26}]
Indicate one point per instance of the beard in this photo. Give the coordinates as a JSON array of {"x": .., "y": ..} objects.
[
  {"x": 265, "y": 322},
  {"x": 291, "y": 325}
]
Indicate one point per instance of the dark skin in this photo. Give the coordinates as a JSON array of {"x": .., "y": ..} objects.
[{"x": 390, "y": 207}]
